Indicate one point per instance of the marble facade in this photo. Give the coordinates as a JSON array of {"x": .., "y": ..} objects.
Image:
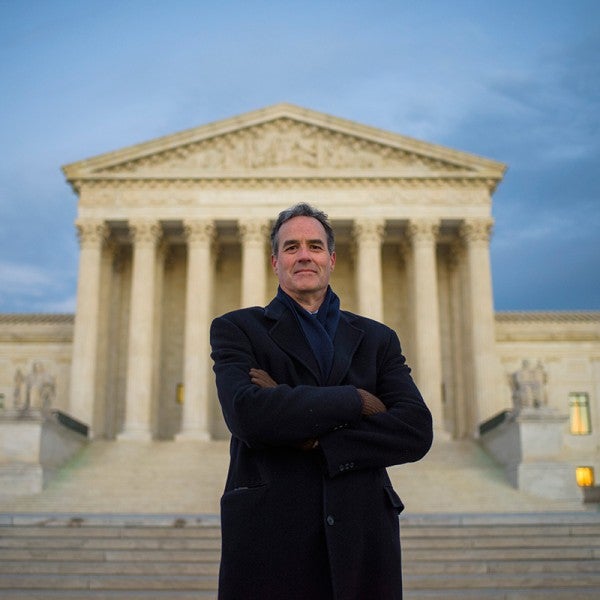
[{"x": 175, "y": 231}]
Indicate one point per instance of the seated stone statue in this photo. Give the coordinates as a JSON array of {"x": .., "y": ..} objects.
[
  {"x": 34, "y": 391},
  {"x": 529, "y": 386}
]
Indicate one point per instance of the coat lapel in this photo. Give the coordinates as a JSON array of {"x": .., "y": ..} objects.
[
  {"x": 345, "y": 344},
  {"x": 286, "y": 333}
]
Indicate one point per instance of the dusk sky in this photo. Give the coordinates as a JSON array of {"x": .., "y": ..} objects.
[{"x": 513, "y": 81}]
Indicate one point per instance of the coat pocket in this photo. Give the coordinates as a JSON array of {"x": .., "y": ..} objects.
[{"x": 393, "y": 498}]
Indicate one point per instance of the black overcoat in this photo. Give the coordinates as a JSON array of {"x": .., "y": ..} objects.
[{"x": 320, "y": 524}]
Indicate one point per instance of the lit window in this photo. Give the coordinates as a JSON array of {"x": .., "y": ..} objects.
[
  {"x": 579, "y": 412},
  {"x": 584, "y": 476}
]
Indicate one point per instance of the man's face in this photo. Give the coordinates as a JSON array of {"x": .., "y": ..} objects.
[{"x": 303, "y": 264}]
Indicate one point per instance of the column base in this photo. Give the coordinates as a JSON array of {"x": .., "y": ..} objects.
[
  {"x": 136, "y": 435},
  {"x": 196, "y": 435}
]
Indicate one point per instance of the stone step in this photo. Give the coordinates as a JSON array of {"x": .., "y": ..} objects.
[
  {"x": 502, "y": 594},
  {"x": 501, "y": 581},
  {"x": 56, "y": 567},
  {"x": 503, "y": 567},
  {"x": 110, "y": 594},
  {"x": 116, "y": 556},
  {"x": 109, "y": 582},
  {"x": 493, "y": 554},
  {"x": 409, "y": 530},
  {"x": 209, "y": 582},
  {"x": 112, "y": 543}
]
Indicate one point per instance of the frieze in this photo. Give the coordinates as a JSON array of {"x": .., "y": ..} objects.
[{"x": 392, "y": 195}]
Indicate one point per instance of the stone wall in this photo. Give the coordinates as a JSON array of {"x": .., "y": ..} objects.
[
  {"x": 30, "y": 342},
  {"x": 567, "y": 344}
]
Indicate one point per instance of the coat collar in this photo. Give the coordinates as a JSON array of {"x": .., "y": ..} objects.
[{"x": 345, "y": 343}]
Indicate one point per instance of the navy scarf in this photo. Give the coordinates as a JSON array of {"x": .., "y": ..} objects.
[{"x": 319, "y": 328}]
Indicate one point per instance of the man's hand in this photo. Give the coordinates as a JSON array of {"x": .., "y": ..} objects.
[
  {"x": 261, "y": 378},
  {"x": 372, "y": 405}
]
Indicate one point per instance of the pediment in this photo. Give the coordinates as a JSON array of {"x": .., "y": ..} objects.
[{"x": 283, "y": 141}]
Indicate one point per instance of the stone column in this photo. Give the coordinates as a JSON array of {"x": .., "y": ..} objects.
[
  {"x": 140, "y": 354},
  {"x": 82, "y": 395},
  {"x": 460, "y": 358},
  {"x": 253, "y": 234},
  {"x": 485, "y": 376},
  {"x": 368, "y": 235},
  {"x": 427, "y": 340},
  {"x": 197, "y": 364}
]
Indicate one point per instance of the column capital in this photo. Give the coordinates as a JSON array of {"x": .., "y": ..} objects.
[
  {"x": 253, "y": 230},
  {"x": 369, "y": 230},
  {"x": 91, "y": 231},
  {"x": 476, "y": 230},
  {"x": 423, "y": 230},
  {"x": 199, "y": 230},
  {"x": 145, "y": 231}
]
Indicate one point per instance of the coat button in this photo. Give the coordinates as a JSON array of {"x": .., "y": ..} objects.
[{"x": 330, "y": 520}]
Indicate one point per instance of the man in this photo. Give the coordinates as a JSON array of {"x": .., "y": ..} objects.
[{"x": 318, "y": 401}]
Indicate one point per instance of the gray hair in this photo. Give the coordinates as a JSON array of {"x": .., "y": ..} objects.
[{"x": 302, "y": 210}]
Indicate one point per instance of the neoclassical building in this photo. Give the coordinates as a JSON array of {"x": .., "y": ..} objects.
[{"x": 175, "y": 231}]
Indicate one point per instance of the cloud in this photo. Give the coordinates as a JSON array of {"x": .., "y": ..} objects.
[
  {"x": 24, "y": 279},
  {"x": 30, "y": 288}
]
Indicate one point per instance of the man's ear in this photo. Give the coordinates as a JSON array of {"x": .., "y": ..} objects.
[{"x": 274, "y": 263}]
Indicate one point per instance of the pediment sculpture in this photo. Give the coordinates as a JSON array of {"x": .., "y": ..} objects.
[{"x": 283, "y": 144}]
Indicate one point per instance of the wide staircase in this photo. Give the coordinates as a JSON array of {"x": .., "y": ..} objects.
[
  {"x": 140, "y": 520},
  {"x": 554, "y": 556}
]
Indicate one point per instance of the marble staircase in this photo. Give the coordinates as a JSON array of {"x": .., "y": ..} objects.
[
  {"x": 508, "y": 557},
  {"x": 126, "y": 520}
]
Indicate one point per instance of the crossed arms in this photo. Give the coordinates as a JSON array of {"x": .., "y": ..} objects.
[{"x": 347, "y": 420}]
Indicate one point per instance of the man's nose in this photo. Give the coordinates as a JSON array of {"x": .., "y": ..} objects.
[{"x": 303, "y": 253}]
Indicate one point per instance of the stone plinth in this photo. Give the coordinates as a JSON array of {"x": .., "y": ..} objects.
[
  {"x": 32, "y": 446},
  {"x": 529, "y": 444}
]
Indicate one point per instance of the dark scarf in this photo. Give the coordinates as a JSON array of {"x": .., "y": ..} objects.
[{"x": 319, "y": 328}]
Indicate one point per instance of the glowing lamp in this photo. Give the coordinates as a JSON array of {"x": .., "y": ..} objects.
[{"x": 584, "y": 476}]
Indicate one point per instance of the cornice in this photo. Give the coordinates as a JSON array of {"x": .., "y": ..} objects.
[
  {"x": 36, "y": 318},
  {"x": 590, "y": 316},
  {"x": 36, "y": 328},
  {"x": 548, "y": 326}
]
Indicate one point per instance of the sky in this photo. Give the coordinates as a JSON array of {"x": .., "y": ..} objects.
[{"x": 514, "y": 81}]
